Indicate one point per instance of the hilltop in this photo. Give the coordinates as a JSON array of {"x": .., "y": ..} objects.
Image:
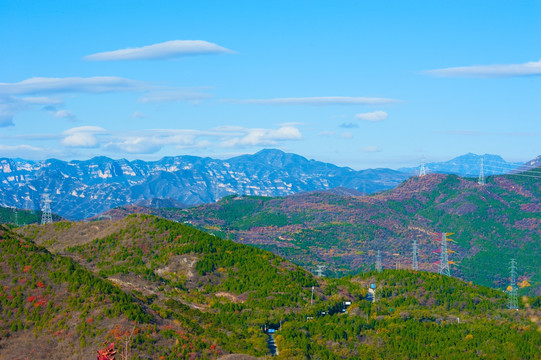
[
  {"x": 492, "y": 224},
  {"x": 159, "y": 288}
]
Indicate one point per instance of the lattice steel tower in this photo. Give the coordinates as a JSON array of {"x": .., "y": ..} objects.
[
  {"x": 16, "y": 215},
  {"x": 320, "y": 270},
  {"x": 422, "y": 171},
  {"x": 481, "y": 180},
  {"x": 414, "y": 263},
  {"x": 379, "y": 267},
  {"x": 444, "y": 260},
  {"x": 46, "y": 217},
  {"x": 512, "y": 301}
]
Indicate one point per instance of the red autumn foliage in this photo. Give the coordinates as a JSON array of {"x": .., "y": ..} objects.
[
  {"x": 40, "y": 284},
  {"x": 31, "y": 299},
  {"x": 27, "y": 268},
  {"x": 108, "y": 353}
]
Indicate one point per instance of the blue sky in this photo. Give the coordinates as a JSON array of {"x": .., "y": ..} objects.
[{"x": 356, "y": 83}]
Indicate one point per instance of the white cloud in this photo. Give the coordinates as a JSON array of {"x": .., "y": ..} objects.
[
  {"x": 97, "y": 84},
  {"x": 153, "y": 140},
  {"x": 370, "y": 149},
  {"x": 164, "y": 50},
  {"x": 349, "y": 125},
  {"x": 19, "y": 147},
  {"x": 323, "y": 100},
  {"x": 262, "y": 137},
  {"x": 138, "y": 115},
  {"x": 327, "y": 133},
  {"x": 65, "y": 114},
  {"x": 346, "y": 135},
  {"x": 174, "y": 96},
  {"x": 532, "y": 68},
  {"x": 26, "y": 151},
  {"x": 373, "y": 116},
  {"x": 82, "y": 136}
]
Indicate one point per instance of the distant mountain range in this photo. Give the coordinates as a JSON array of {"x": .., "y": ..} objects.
[
  {"x": 81, "y": 189},
  {"x": 468, "y": 165}
]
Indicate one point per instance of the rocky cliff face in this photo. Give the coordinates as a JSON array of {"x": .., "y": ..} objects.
[{"x": 80, "y": 189}]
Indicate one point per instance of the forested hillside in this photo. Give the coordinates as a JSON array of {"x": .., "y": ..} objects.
[
  {"x": 163, "y": 289},
  {"x": 492, "y": 224}
]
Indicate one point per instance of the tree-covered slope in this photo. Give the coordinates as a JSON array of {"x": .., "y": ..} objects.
[
  {"x": 161, "y": 289},
  {"x": 492, "y": 224},
  {"x": 416, "y": 315},
  {"x": 193, "y": 283},
  {"x": 49, "y": 304}
]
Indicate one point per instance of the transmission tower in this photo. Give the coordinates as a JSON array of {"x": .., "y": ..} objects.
[
  {"x": 512, "y": 301},
  {"x": 414, "y": 263},
  {"x": 378, "y": 262},
  {"x": 481, "y": 180},
  {"x": 320, "y": 270},
  {"x": 444, "y": 260},
  {"x": 46, "y": 217},
  {"x": 15, "y": 217},
  {"x": 422, "y": 171}
]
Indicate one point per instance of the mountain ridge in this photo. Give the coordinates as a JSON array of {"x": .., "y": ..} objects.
[
  {"x": 85, "y": 188},
  {"x": 498, "y": 220}
]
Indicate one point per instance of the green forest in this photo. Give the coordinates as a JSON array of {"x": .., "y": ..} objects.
[{"x": 161, "y": 289}]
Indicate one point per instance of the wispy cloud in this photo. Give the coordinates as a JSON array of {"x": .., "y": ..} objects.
[
  {"x": 532, "y": 68},
  {"x": 66, "y": 114},
  {"x": 153, "y": 140},
  {"x": 488, "y": 133},
  {"x": 370, "y": 149},
  {"x": 164, "y": 50},
  {"x": 349, "y": 125},
  {"x": 26, "y": 151},
  {"x": 97, "y": 84},
  {"x": 10, "y": 105},
  {"x": 82, "y": 136},
  {"x": 138, "y": 115},
  {"x": 373, "y": 116},
  {"x": 262, "y": 137},
  {"x": 346, "y": 135},
  {"x": 174, "y": 96},
  {"x": 322, "y": 100}
]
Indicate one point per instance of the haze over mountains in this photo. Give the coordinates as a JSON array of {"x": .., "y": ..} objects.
[{"x": 81, "y": 189}]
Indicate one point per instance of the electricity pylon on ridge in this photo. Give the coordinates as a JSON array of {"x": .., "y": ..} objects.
[
  {"x": 422, "y": 170},
  {"x": 512, "y": 293},
  {"x": 15, "y": 217},
  {"x": 320, "y": 270},
  {"x": 414, "y": 262},
  {"x": 444, "y": 259},
  {"x": 378, "y": 262},
  {"x": 46, "y": 217},
  {"x": 481, "y": 181}
]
